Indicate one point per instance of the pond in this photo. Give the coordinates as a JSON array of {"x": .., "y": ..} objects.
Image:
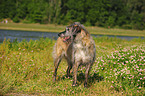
[{"x": 28, "y": 35}]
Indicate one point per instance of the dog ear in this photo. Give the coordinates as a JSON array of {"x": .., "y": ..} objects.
[
  {"x": 77, "y": 28},
  {"x": 80, "y": 28},
  {"x": 83, "y": 33}
]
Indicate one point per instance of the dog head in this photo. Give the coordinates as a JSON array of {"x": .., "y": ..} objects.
[{"x": 70, "y": 32}]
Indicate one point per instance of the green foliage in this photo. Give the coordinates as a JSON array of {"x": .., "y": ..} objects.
[
  {"x": 16, "y": 19},
  {"x": 105, "y": 13}
]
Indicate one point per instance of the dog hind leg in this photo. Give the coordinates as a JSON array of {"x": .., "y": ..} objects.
[
  {"x": 88, "y": 67},
  {"x": 56, "y": 64}
]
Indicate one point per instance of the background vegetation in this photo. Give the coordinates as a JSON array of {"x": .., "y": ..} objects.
[{"x": 128, "y": 14}]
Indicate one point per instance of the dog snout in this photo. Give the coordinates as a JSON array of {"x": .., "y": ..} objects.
[{"x": 61, "y": 34}]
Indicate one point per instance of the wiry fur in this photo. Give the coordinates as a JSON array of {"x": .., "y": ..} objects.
[{"x": 78, "y": 47}]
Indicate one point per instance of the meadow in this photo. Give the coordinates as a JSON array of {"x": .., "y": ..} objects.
[{"x": 27, "y": 69}]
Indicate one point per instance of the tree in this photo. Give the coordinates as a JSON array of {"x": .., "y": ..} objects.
[{"x": 105, "y": 13}]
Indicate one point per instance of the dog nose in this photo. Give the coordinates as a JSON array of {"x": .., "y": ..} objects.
[{"x": 61, "y": 35}]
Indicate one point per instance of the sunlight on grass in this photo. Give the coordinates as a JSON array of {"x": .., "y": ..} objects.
[{"x": 27, "y": 68}]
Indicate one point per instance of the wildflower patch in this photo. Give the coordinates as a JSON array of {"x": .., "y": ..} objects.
[{"x": 124, "y": 68}]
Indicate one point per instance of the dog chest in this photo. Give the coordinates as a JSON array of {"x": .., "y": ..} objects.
[{"x": 81, "y": 53}]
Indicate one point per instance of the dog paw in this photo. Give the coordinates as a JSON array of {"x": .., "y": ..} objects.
[
  {"x": 85, "y": 85},
  {"x": 54, "y": 79},
  {"x": 74, "y": 85}
]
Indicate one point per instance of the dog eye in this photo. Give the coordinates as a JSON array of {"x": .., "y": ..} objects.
[{"x": 67, "y": 29}]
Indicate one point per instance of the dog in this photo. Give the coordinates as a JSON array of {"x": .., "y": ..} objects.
[{"x": 78, "y": 48}]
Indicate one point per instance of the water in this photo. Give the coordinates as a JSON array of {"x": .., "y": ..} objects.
[{"x": 28, "y": 35}]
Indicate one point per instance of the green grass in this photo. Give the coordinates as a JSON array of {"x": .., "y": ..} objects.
[
  {"x": 27, "y": 69},
  {"x": 60, "y": 28}
]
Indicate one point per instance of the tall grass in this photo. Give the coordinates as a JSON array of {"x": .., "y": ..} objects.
[{"x": 27, "y": 68}]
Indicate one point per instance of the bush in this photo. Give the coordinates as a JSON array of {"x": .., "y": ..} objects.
[
  {"x": 26, "y": 21},
  {"x": 87, "y": 24},
  {"x": 16, "y": 19},
  {"x": 139, "y": 26},
  {"x": 126, "y": 26}
]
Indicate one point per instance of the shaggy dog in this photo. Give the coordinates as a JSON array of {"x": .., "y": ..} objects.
[{"x": 78, "y": 48}]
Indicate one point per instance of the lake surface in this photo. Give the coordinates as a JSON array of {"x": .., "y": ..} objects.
[{"x": 28, "y": 35}]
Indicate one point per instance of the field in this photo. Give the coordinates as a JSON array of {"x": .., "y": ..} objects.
[
  {"x": 27, "y": 67},
  {"x": 60, "y": 28}
]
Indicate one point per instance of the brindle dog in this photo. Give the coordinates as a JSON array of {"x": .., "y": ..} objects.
[{"x": 78, "y": 47}]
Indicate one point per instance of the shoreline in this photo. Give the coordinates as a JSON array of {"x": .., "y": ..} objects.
[
  {"x": 59, "y": 28},
  {"x": 58, "y": 32}
]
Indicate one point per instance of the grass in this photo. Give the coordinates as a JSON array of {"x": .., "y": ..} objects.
[
  {"x": 27, "y": 68},
  {"x": 59, "y": 28}
]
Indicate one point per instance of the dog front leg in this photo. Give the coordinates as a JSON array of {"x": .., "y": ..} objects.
[
  {"x": 75, "y": 70},
  {"x": 56, "y": 64},
  {"x": 69, "y": 67}
]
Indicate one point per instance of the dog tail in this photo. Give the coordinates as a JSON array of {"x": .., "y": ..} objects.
[{"x": 54, "y": 52}]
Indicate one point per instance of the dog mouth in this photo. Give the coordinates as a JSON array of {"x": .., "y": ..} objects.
[{"x": 66, "y": 38}]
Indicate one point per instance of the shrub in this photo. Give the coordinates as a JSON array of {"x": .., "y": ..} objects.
[
  {"x": 16, "y": 19},
  {"x": 139, "y": 26},
  {"x": 126, "y": 26}
]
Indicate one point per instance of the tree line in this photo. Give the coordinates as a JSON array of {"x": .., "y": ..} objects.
[{"x": 128, "y": 14}]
